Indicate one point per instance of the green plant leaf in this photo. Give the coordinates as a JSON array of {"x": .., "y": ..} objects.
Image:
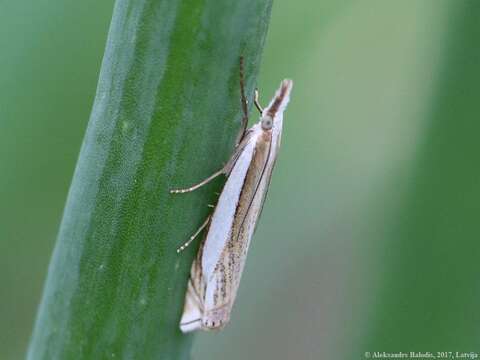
[{"x": 166, "y": 115}]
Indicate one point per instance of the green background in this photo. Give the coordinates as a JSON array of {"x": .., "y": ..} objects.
[{"x": 369, "y": 240}]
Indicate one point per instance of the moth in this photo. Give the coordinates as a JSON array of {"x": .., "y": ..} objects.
[{"x": 216, "y": 271}]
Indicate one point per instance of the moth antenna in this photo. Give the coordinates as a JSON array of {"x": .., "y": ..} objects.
[
  {"x": 242, "y": 91},
  {"x": 256, "y": 102},
  {"x": 244, "y": 102}
]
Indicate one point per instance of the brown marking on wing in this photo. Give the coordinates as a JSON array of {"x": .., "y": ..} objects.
[{"x": 196, "y": 272}]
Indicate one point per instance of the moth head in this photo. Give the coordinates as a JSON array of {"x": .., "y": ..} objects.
[{"x": 267, "y": 122}]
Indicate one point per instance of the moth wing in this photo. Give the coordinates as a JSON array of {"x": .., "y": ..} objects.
[
  {"x": 192, "y": 312},
  {"x": 237, "y": 167},
  {"x": 222, "y": 284},
  {"x": 223, "y": 216},
  {"x": 193, "y": 308}
]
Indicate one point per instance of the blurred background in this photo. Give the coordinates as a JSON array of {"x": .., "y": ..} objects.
[{"x": 369, "y": 240}]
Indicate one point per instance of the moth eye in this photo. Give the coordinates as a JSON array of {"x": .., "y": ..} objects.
[{"x": 267, "y": 122}]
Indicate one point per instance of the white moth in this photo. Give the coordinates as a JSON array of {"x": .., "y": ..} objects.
[{"x": 216, "y": 271}]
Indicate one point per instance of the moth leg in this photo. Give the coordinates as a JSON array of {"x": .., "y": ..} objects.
[
  {"x": 257, "y": 103},
  {"x": 184, "y": 246},
  {"x": 244, "y": 104},
  {"x": 200, "y": 184}
]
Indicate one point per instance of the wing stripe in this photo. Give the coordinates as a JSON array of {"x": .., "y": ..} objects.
[{"x": 256, "y": 189}]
